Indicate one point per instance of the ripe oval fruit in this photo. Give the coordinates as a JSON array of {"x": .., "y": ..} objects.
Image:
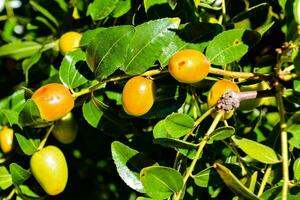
[
  {"x": 6, "y": 139},
  {"x": 49, "y": 167},
  {"x": 216, "y": 92},
  {"x": 69, "y": 41},
  {"x": 54, "y": 101},
  {"x": 65, "y": 129},
  {"x": 138, "y": 96},
  {"x": 189, "y": 66}
]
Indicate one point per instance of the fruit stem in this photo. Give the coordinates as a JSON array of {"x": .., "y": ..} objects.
[
  {"x": 196, "y": 124},
  {"x": 97, "y": 85},
  {"x": 284, "y": 142},
  {"x": 265, "y": 179},
  {"x": 244, "y": 75},
  {"x": 43, "y": 142},
  {"x": 231, "y": 99},
  {"x": 199, "y": 151},
  {"x": 11, "y": 194}
]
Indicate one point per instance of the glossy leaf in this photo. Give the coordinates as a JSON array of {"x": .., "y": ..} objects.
[
  {"x": 28, "y": 145},
  {"x": 250, "y": 12},
  {"x": 149, "y": 3},
  {"x": 29, "y": 62},
  {"x": 18, "y": 174},
  {"x": 121, "y": 8},
  {"x": 5, "y": 178},
  {"x": 11, "y": 116},
  {"x": 161, "y": 182},
  {"x": 124, "y": 158},
  {"x": 202, "y": 178},
  {"x": 89, "y": 36},
  {"x": 221, "y": 134},
  {"x": 100, "y": 9},
  {"x": 44, "y": 12},
  {"x": 296, "y": 10},
  {"x": 168, "y": 99},
  {"x": 91, "y": 113},
  {"x": 30, "y": 115},
  {"x": 258, "y": 151},
  {"x": 68, "y": 73},
  {"x": 26, "y": 192},
  {"x": 233, "y": 183},
  {"x": 296, "y": 168},
  {"x": 19, "y": 50},
  {"x": 175, "y": 143},
  {"x": 293, "y": 127},
  {"x": 107, "y": 52},
  {"x": 230, "y": 46},
  {"x": 178, "y": 124},
  {"x": 190, "y": 36},
  {"x": 149, "y": 39}
]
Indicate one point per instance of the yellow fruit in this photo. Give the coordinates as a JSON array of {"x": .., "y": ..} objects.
[
  {"x": 138, "y": 96},
  {"x": 69, "y": 41},
  {"x": 189, "y": 66},
  {"x": 49, "y": 167},
  {"x": 54, "y": 101},
  {"x": 6, "y": 139},
  {"x": 65, "y": 129},
  {"x": 216, "y": 92}
]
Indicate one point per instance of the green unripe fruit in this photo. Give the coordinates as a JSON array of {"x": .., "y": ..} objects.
[
  {"x": 49, "y": 167},
  {"x": 65, "y": 129}
]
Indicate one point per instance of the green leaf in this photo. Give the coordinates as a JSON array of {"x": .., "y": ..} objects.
[
  {"x": 30, "y": 115},
  {"x": 89, "y": 35},
  {"x": 101, "y": 9},
  {"x": 230, "y": 46},
  {"x": 161, "y": 182},
  {"x": 28, "y": 145},
  {"x": 296, "y": 10},
  {"x": 296, "y": 168},
  {"x": 5, "y": 178},
  {"x": 160, "y": 130},
  {"x": 124, "y": 158},
  {"x": 178, "y": 125},
  {"x": 203, "y": 178},
  {"x": 262, "y": 30},
  {"x": 11, "y": 115},
  {"x": 221, "y": 134},
  {"x": 44, "y": 12},
  {"x": 19, "y": 50},
  {"x": 148, "y": 42},
  {"x": 122, "y": 7},
  {"x": 29, "y": 62},
  {"x": 190, "y": 36},
  {"x": 250, "y": 12},
  {"x": 258, "y": 151},
  {"x": 91, "y": 113},
  {"x": 25, "y": 191},
  {"x": 107, "y": 52},
  {"x": 169, "y": 98},
  {"x": 68, "y": 73},
  {"x": 275, "y": 193},
  {"x": 293, "y": 127},
  {"x": 175, "y": 143},
  {"x": 150, "y": 3},
  {"x": 233, "y": 183},
  {"x": 18, "y": 174},
  {"x": 296, "y": 84},
  {"x": 144, "y": 198}
]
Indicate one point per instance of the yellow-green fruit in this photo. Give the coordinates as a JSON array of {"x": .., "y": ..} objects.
[
  {"x": 65, "y": 129},
  {"x": 217, "y": 91},
  {"x": 49, "y": 167},
  {"x": 6, "y": 139},
  {"x": 253, "y": 103}
]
